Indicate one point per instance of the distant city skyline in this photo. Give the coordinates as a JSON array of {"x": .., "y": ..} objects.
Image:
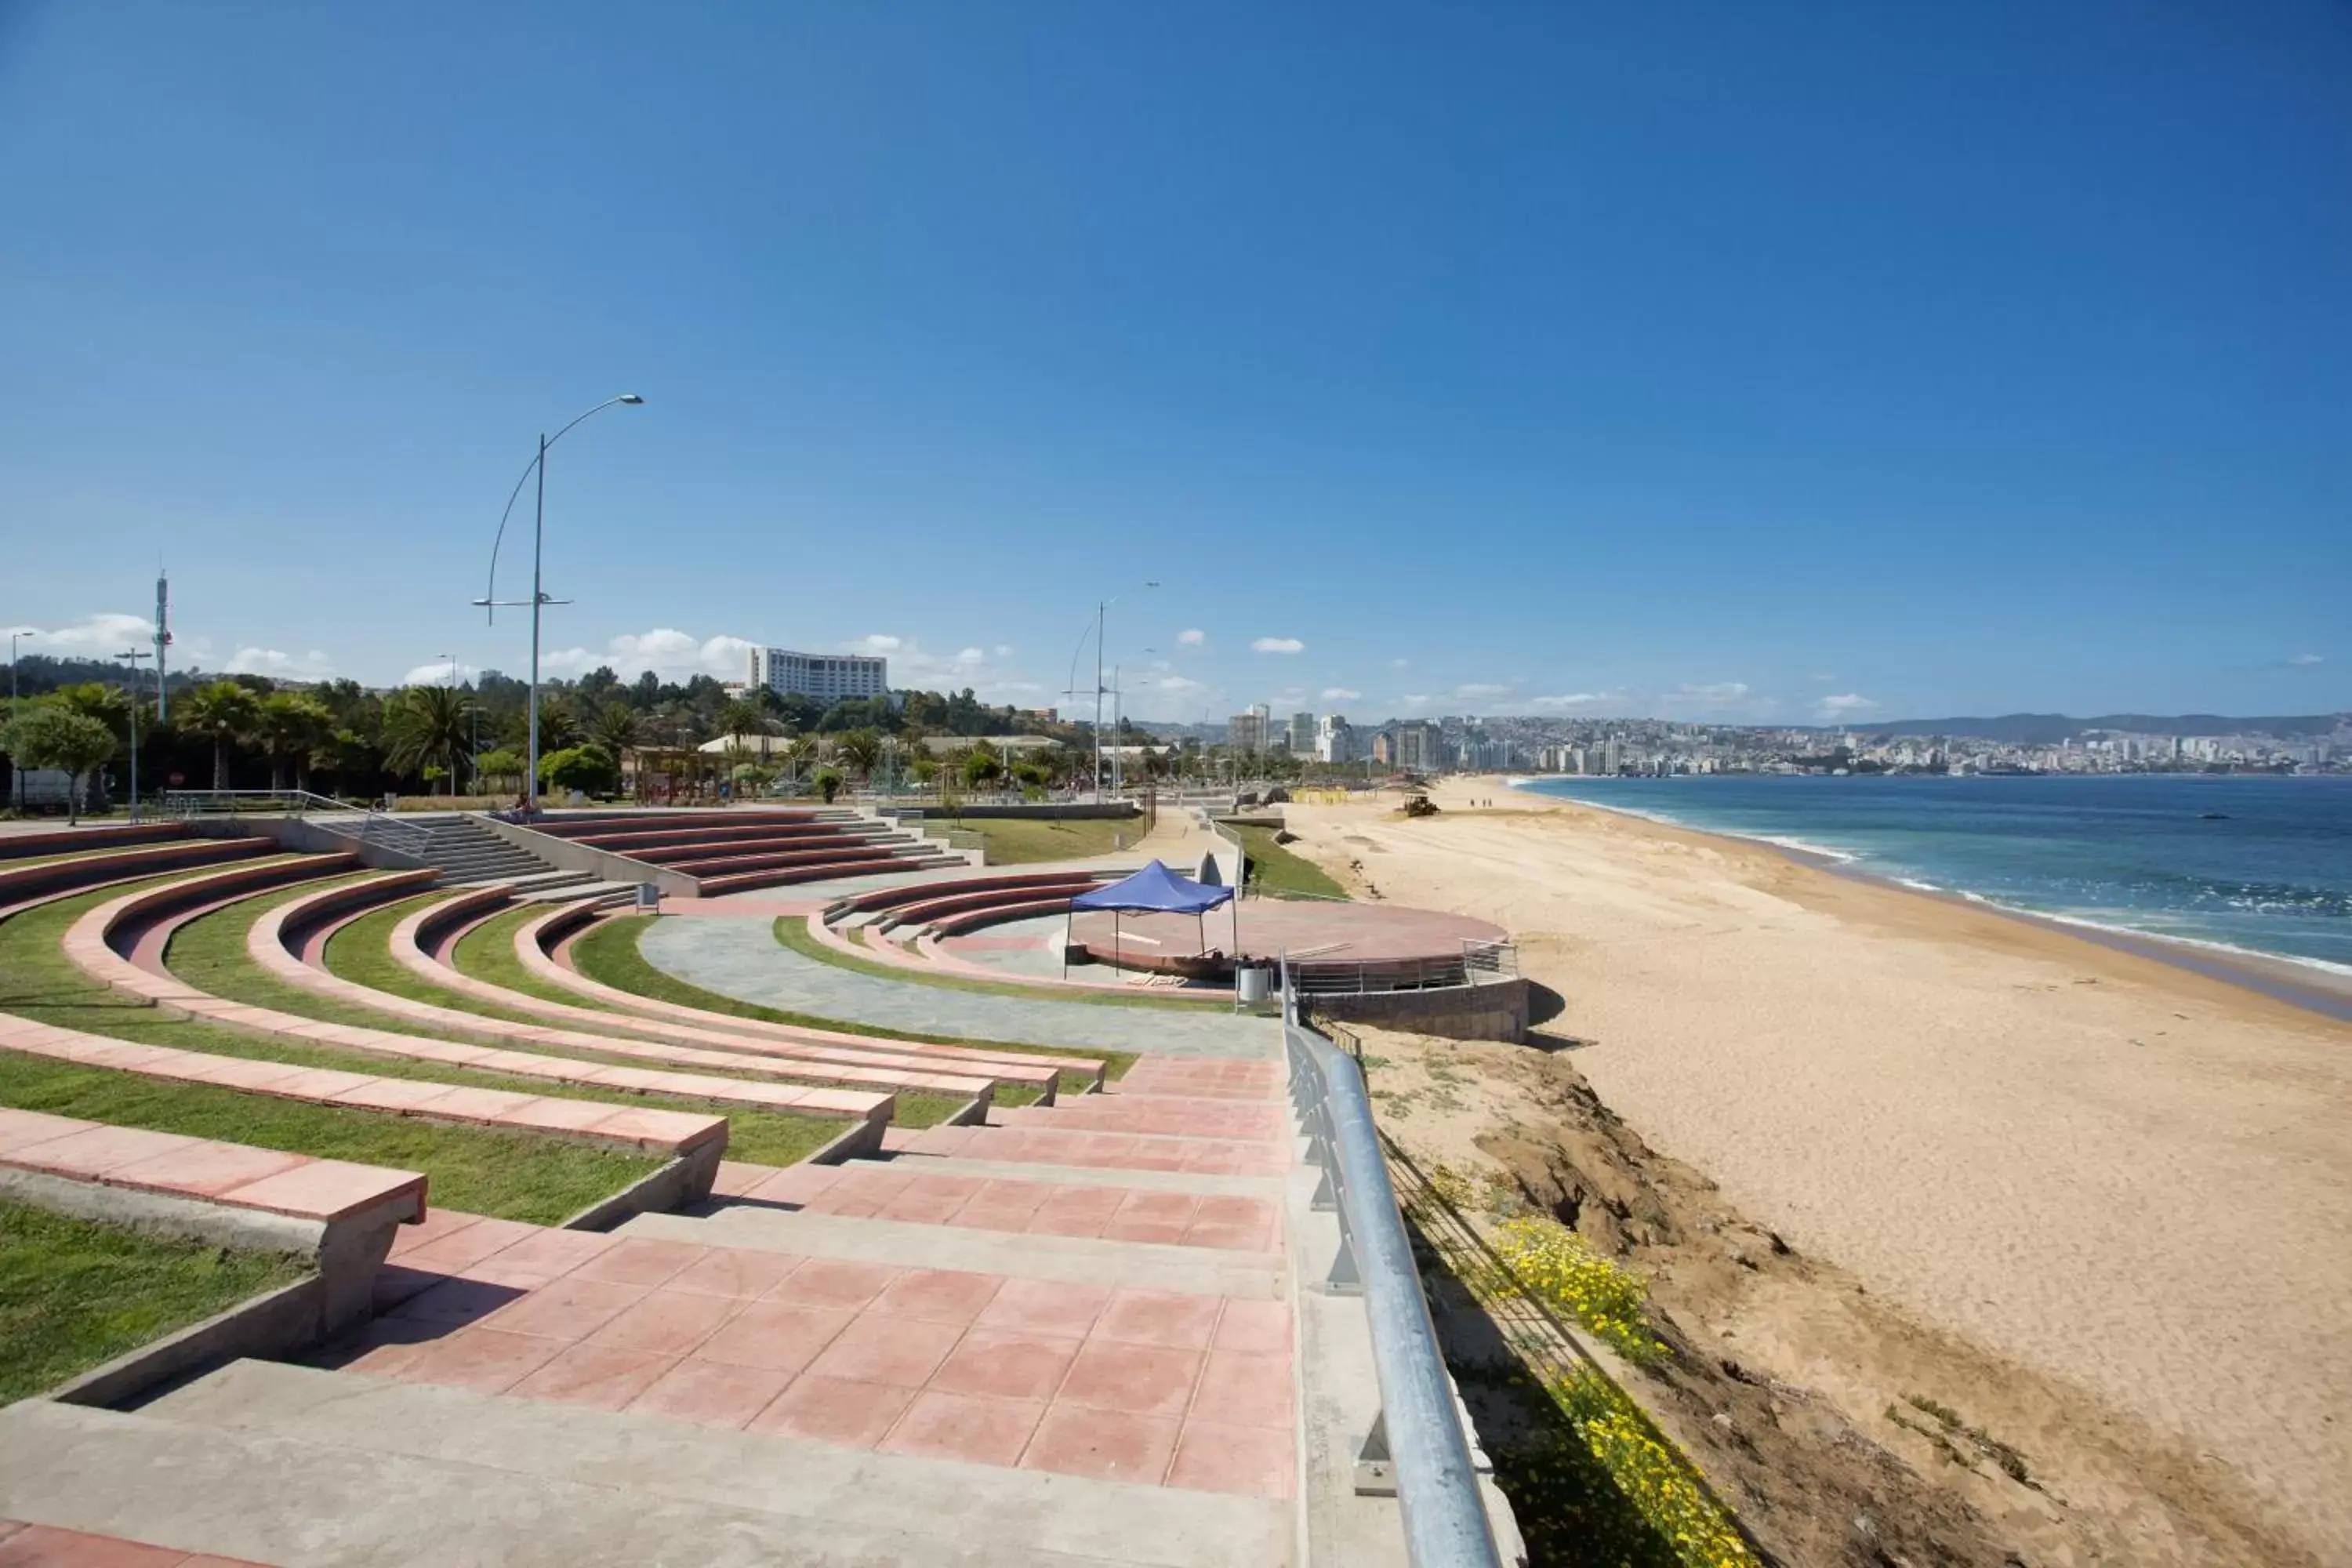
[{"x": 1702, "y": 364}]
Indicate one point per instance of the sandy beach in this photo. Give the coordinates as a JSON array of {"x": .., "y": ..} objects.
[{"x": 2129, "y": 1180}]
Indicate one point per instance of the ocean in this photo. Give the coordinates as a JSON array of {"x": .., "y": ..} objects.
[{"x": 2258, "y": 865}]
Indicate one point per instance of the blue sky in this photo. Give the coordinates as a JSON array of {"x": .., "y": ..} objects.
[{"x": 1705, "y": 360}]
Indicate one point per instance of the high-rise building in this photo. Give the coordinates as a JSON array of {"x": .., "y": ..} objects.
[
  {"x": 1302, "y": 734},
  {"x": 1334, "y": 741},
  {"x": 826, "y": 677},
  {"x": 1384, "y": 749},
  {"x": 1420, "y": 746},
  {"x": 1246, "y": 733},
  {"x": 1611, "y": 757}
]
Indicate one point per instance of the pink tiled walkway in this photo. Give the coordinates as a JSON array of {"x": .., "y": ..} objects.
[
  {"x": 1165, "y": 1389},
  {"x": 904, "y": 1192}
]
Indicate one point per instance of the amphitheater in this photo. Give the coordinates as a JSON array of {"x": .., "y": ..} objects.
[{"x": 721, "y": 1186}]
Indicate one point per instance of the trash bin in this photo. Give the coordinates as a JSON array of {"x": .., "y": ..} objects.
[
  {"x": 1249, "y": 984},
  {"x": 649, "y": 899}
]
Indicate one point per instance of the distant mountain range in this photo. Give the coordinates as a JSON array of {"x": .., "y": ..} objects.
[{"x": 2050, "y": 729}]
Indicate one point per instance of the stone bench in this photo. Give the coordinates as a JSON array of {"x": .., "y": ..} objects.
[
  {"x": 532, "y": 941},
  {"x": 339, "y": 1214},
  {"x": 64, "y": 840},
  {"x": 895, "y": 899},
  {"x": 271, "y": 947},
  {"x": 646, "y": 1130},
  {"x": 21, "y": 884}
]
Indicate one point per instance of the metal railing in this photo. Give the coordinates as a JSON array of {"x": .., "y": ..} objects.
[
  {"x": 362, "y": 822},
  {"x": 1420, "y": 1430},
  {"x": 1478, "y": 964}
]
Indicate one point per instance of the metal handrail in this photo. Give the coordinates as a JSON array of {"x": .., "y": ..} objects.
[
  {"x": 1444, "y": 1511},
  {"x": 366, "y": 824}
]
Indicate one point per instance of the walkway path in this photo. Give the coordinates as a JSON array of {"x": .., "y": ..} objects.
[{"x": 743, "y": 960}]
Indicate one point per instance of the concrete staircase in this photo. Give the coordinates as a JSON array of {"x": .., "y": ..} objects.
[
  {"x": 467, "y": 854},
  {"x": 290, "y": 1465}
]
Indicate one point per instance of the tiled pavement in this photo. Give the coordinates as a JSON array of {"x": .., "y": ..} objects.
[{"x": 1188, "y": 1391}]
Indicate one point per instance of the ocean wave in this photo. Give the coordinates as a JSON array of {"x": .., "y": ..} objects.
[{"x": 2121, "y": 928}]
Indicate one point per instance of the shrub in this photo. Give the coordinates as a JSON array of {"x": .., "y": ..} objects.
[
  {"x": 827, "y": 782},
  {"x": 588, "y": 769}
]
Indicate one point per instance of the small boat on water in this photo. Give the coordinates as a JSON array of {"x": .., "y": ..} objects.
[{"x": 2212, "y": 817}]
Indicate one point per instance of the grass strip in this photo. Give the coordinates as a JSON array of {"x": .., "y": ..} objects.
[
  {"x": 1026, "y": 841},
  {"x": 75, "y": 1294},
  {"x": 43, "y": 984},
  {"x": 791, "y": 931},
  {"x": 608, "y": 954},
  {"x": 1276, "y": 871}
]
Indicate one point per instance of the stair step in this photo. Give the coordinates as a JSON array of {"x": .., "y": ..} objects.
[
  {"x": 1076, "y": 1259},
  {"x": 286, "y": 1464},
  {"x": 1086, "y": 1175}
]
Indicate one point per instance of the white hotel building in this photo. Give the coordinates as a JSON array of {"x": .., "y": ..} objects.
[{"x": 826, "y": 677}]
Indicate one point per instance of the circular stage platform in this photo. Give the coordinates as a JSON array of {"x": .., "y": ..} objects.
[{"x": 1378, "y": 937}]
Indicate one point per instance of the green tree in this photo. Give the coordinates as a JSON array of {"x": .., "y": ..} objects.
[
  {"x": 588, "y": 769},
  {"x": 501, "y": 764},
  {"x": 860, "y": 749},
  {"x": 741, "y": 717},
  {"x": 290, "y": 726},
  {"x": 224, "y": 712},
  {"x": 52, "y": 735},
  {"x": 423, "y": 724},
  {"x": 96, "y": 699},
  {"x": 982, "y": 765},
  {"x": 558, "y": 725},
  {"x": 827, "y": 782}
]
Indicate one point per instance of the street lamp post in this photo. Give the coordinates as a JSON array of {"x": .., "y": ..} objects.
[
  {"x": 539, "y": 599},
  {"x": 134, "y": 655},
  {"x": 15, "y": 769},
  {"x": 1102, "y": 612}
]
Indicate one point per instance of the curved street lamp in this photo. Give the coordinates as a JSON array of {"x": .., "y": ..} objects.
[{"x": 539, "y": 599}]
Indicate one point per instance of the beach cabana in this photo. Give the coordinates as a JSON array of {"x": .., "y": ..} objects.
[{"x": 1157, "y": 890}]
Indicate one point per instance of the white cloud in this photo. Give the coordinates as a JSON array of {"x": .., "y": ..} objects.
[
  {"x": 1480, "y": 690},
  {"x": 1415, "y": 700},
  {"x": 100, "y": 636},
  {"x": 1569, "y": 700},
  {"x": 876, "y": 643},
  {"x": 1341, "y": 694},
  {"x": 672, "y": 655},
  {"x": 1400, "y": 664},
  {"x": 311, "y": 666},
  {"x": 970, "y": 656},
  {"x": 2304, "y": 660},
  {"x": 1279, "y": 645},
  {"x": 439, "y": 674},
  {"x": 1844, "y": 705},
  {"x": 1193, "y": 637},
  {"x": 1176, "y": 683},
  {"x": 1003, "y": 650}
]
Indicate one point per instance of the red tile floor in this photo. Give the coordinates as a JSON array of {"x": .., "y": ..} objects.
[
  {"x": 42, "y": 1546},
  {"x": 1174, "y": 1390},
  {"x": 1137, "y": 1386}
]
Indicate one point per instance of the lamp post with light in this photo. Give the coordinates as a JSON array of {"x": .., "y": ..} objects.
[{"x": 539, "y": 599}]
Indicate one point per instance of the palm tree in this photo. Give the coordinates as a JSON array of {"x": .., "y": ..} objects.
[
  {"x": 559, "y": 726},
  {"x": 616, "y": 730},
  {"x": 291, "y": 725},
  {"x": 421, "y": 723},
  {"x": 739, "y": 717},
  {"x": 861, "y": 749},
  {"x": 223, "y": 713}
]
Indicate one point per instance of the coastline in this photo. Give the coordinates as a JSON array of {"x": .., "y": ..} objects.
[
  {"x": 2311, "y": 985},
  {"x": 2121, "y": 1174}
]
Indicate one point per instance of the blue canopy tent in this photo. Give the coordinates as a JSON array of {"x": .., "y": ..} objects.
[{"x": 1157, "y": 890}]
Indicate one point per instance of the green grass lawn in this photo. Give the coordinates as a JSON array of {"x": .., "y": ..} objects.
[
  {"x": 75, "y": 1294},
  {"x": 1023, "y": 841},
  {"x": 1273, "y": 870},
  {"x": 791, "y": 931},
  {"x": 608, "y": 954},
  {"x": 549, "y": 1179}
]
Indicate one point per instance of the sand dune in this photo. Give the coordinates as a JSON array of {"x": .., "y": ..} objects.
[{"x": 2101, "y": 1167}]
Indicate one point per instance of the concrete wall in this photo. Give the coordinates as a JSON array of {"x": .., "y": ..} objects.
[
  {"x": 1495, "y": 1010},
  {"x": 294, "y": 834}
]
